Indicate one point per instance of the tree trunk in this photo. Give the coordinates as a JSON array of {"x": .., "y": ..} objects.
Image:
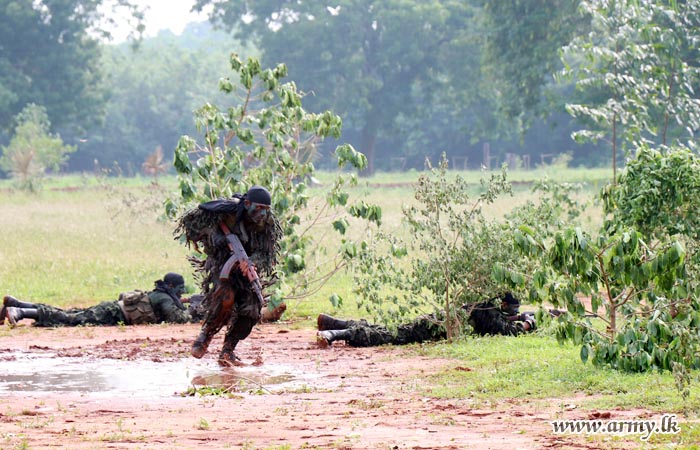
[{"x": 614, "y": 148}]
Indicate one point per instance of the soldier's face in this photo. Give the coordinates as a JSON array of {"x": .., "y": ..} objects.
[
  {"x": 509, "y": 308},
  {"x": 257, "y": 212},
  {"x": 179, "y": 289}
]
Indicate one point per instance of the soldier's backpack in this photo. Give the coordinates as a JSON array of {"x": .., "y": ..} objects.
[{"x": 137, "y": 307}]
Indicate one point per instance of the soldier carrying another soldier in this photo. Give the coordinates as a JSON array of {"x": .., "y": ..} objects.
[
  {"x": 484, "y": 318},
  {"x": 162, "y": 304}
]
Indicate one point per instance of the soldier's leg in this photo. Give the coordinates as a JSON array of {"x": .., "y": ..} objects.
[
  {"x": 247, "y": 314},
  {"x": 423, "y": 329},
  {"x": 14, "y": 314},
  {"x": 219, "y": 310},
  {"x": 105, "y": 313},
  {"x": 239, "y": 331},
  {"x": 9, "y": 300},
  {"x": 359, "y": 334},
  {"x": 326, "y": 322}
]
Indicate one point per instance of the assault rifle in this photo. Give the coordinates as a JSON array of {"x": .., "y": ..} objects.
[
  {"x": 239, "y": 258},
  {"x": 552, "y": 313}
]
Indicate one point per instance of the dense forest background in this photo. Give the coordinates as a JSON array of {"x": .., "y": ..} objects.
[{"x": 475, "y": 79}]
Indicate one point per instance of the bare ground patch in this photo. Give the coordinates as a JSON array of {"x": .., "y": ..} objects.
[{"x": 343, "y": 398}]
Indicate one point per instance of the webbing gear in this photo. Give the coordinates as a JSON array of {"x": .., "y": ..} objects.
[{"x": 137, "y": 307}]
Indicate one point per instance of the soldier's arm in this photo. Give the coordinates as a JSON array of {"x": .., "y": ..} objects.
[
  {"x": 167, "y": 310},
  {"x": 513, "y": 328}
]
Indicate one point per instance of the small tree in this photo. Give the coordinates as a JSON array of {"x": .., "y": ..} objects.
[
  {"x": 33, "y": 150},
  {"x": 638, "y": 69},
  {"x": 637, "y": 268},
  {"x": 448, "y": 259},
  {"x": 266, "y": 138}
]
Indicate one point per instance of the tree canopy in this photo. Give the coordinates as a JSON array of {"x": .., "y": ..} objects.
[
  {"x": 50, "y": 56},
  {"x": 363, "y": 59}
]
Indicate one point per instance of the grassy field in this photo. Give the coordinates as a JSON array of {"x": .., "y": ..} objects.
[{"x": 83, "y": 240}]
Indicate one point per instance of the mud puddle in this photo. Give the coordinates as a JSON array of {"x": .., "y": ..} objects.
[{"x": 47, "y": 372}]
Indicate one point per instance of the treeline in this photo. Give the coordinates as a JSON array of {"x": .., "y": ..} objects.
[{"x": 410, "y": 79}]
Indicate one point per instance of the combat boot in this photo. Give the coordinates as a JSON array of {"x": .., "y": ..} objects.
[
  {"x": 201, "y": 344},
  {"x": 227, "y": 357},
  {"x": 326, "y": 322},
  {"x": 11, "y": 301},
  {"x": 327, "y": 337},
  {"x": 14, "y": 315}
]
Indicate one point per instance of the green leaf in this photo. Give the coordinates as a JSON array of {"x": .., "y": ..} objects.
[
  {"x": 336, "y": 300},
  {"x": 585, "y": 351},
  {"x": 341, "y": 225}
]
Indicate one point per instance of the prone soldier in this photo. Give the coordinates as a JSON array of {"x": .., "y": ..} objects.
[
  {"x": 163, "y": 304},
  {"x": 485, "y": 318}
]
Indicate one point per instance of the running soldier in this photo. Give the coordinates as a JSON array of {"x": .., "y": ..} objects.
[{"x": 239, "y": 237}]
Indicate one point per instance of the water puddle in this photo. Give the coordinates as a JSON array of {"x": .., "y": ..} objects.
[{"x": 47, "y": 372}]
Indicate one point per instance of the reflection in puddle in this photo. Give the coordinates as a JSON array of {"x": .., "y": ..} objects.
[{"x": 47, "y": 372}]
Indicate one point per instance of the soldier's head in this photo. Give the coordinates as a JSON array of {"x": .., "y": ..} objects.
[
  {"x": 257, "y": 203},
  {"x": 509, "y": 304},
  {"x": 175, "y": 281}
]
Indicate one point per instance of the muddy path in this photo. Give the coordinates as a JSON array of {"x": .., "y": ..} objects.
[{"x": 125, "y": 388}]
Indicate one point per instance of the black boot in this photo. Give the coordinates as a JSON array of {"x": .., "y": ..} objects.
[
  {"x": 227, "y": 357},
  {"x": 327, "y": 337},
  {"x": 201, "y": 344},
  {"x": 11, "y": 301},
  {"x": 14, "y": 315},
  {"x": 326, "y": 322}
]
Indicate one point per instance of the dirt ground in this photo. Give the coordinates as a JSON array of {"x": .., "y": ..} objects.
[{"x": 290, "y": 394}]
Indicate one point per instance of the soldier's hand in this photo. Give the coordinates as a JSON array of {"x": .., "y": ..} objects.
[{"x": 530, "y": 324}]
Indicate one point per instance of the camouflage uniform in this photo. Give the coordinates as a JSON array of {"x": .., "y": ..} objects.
[
  {"x": 488, "y": 318},
  {"x": 425, "y": 328},
  {"x": 485, "y": 318},
  {"x": 165, "y": 302},
  {"x": 105, "y": 313}
]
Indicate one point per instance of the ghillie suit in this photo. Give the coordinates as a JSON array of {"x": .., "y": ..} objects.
[{"x": 229, "y": 300}]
